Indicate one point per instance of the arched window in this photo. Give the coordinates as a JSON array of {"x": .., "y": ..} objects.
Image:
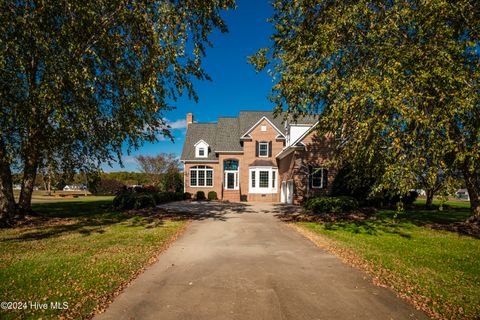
[
  {"x": 201, "y": 176},
  {"x": 230, "y": 165}
]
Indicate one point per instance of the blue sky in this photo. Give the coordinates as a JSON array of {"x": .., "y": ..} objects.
[{"x": 235, "y": 86}]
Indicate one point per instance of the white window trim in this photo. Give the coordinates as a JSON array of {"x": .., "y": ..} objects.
[
  {"x": 268, "y": 151},
  {"x": 201, "y": 169},
  {"x": 322, "y": 170},
  {"x": 256, "y": 188}
]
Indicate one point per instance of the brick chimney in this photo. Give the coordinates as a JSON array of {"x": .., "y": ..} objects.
[{"x": 189, "y": 118}]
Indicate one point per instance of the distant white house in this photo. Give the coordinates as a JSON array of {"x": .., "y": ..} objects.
[
  {"x": 17, "y": 186},
  {"x": 462, "y": 194},
  {"x": 75, "y": 187},
  {"x": 420, "y": 192}
]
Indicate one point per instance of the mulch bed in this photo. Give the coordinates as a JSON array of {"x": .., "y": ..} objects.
[
  {"x": 467, "y": 228},
  {"x": 357, "y": 215}
]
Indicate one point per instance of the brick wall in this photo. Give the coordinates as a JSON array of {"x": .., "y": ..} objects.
[
  {"x": 318, "y": 152},
  {"x": 249, "y": 156},
  {"x": 217, "y": 179}
]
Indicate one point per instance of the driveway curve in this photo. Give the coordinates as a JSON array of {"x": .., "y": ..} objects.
[{"x": 237, "y": 261}]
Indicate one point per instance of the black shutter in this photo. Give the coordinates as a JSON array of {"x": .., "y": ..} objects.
[
  {"x": 256, "y": 148},
  {"x": 325, "y": 178},
  {"x": 270, "y": 149},
  {"x": 310, "y": 176}
]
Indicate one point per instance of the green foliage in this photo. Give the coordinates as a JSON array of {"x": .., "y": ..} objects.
[
  {"x": 128, "y": 178},
  {"x": 147, "y": 197},
  {"x": 172, "y": 181},
  {"x": 107, "y": 187},
  {"x": 212, "y": 195},
  {"x": 83, "y": 81},
  {"x": 398, "y": 80},
  {"x": 331, "y": 204},
  {"x": 200, "y": 196},
  {"x": 358, "y": 183},
  {"x": 187, "y": 196}
]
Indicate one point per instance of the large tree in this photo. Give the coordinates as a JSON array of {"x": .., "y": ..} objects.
[
  {"x": 157, "y": 167},
  {"x": 96, "y": 74},
  {"x": 398, "y": 79}
]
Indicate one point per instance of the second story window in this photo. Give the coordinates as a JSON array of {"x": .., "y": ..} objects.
[
  {"x": 201, "y": 152},
  {"x": 263, "y": 149}
]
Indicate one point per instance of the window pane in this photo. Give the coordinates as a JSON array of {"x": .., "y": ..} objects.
[
  {"x": 316, "y": 177},
  {"x": 201, "y": 152},
  {"x": 193, "y": 178},
  {"x": 253, "y": 179},
  {"x": 201, "y": 178},
  {"x": 209, "y": 178},
  {"x": 274, "y": 178},
  {"x": 263, "y": 149},
  {"x": 263, "y": 179}
]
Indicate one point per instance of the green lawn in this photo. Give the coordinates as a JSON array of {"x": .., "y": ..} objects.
[
  {"x": 439, "y": 269},
  {"x": 83, "y": 255}
]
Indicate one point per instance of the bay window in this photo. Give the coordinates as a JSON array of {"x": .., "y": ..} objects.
[{"x": 263, "y": 180}]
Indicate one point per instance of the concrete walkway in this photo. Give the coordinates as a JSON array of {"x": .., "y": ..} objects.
[{"x": 240, "y": 262}]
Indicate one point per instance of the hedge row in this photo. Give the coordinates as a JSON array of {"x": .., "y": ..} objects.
[
  {"x": 346, "y": 203},
  {"x": 331, "y": 204},
  {"x": 144, "y": 198}
]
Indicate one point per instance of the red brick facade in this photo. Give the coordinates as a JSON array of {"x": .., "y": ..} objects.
[{"x": 292, "y": 167}]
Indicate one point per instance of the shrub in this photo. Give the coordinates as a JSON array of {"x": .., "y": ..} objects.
[
  {"x": 390, "y": 199},
  {"x": 179, "y": 196},
  {"x": 107, "y": 187},
  {"x": 212, "y": 195},
  {"x": 200, "y": 196},
  {"x": 124, "y": 199},
  {"x": 331, "y": 204},
  {"x": 144, "y": 200},
  {"x": 410, "y": 198},
  {"x": 139, "y": 198},
  {"x": 187, "y": 196}
]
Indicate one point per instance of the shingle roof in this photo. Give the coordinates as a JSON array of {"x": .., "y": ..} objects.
[
  {"x": 195, "y": 133},
  {"x": 248, "y": 118},
  {"x": 228, "y": 135},
  {"x": 225, "y": 135}
]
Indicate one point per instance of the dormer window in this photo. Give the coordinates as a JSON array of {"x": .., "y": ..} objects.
[{"x": 201, "y": 149}]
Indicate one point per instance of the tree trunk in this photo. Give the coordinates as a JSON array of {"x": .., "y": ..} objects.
[
  {"x": 473, "y": 187},
  {"x": 49, "y": 183},
  {"x": 29, "y": 174},
  {"x": 7, "y": 200},
  {"x": 429, "y": 201}
]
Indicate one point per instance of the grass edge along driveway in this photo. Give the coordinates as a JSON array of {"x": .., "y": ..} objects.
[
  {"x": 437, "y": 271},
  {"x": 84, "y": 255}
]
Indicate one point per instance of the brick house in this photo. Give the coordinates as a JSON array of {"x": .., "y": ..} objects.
[{"x": 257, "y": 157}]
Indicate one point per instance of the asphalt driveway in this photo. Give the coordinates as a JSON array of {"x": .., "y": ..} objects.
[{"x": 239, "y": 262}]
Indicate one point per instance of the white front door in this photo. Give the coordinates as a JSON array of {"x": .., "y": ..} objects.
[
  {"x": 283, "y": 192},
  {"x": 231, "y": 180}
]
